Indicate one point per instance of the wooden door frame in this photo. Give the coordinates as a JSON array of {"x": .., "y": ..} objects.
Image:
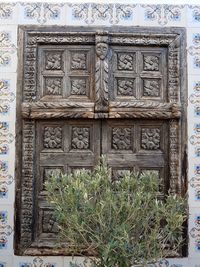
[{"x": 29, "y": 109}]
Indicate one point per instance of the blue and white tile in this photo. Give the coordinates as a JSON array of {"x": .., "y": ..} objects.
[
  {"x": 6, "y": 261},
  {"x": 193, "y": 16},
  {"x": 8, "y": 48},
  {"x": 162, "y": 15},
  {"x": 38, "y": 261},
  {"x": 193, "y": 63},
  {"x": 68, "y": 261},
  {"x": 8, "y": 13},
  {"x": 54, "y": 14},
  {"x": 102, "y": 14},
  {"x": 7, "y": 96},
  {"x": 7, "y": 185},
  {"x": 78, "y": 14},
  {"x": 30, "y": 13},
  {"x": 194, "y": 232},
  {"x": 6, "y": 229}
]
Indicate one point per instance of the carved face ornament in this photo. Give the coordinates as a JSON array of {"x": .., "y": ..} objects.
[{"x": 101, "y": 50}]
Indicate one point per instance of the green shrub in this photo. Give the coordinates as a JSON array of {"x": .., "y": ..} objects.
[{"x": 121, "y": 222}]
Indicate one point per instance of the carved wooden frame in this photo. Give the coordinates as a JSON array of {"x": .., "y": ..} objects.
[{"x": 29, "y": 109}]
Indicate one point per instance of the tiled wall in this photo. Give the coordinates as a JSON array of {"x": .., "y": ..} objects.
[{"x": 14, "y": 14}]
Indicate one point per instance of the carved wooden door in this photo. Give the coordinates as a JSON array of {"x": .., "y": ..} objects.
[{"x": 87, "y": 93}]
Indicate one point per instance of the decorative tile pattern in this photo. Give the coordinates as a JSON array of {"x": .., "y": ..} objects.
[
  {"x": 6, "y": 95},
  {"x": 78, "y": 87},
  {"x": 103, "y": 14},
  {"x": 38, "y": 262},
  {"x": 5, "y": 230},
  {"x": 6, "y": 10},
  {"x": 7, "y": 48},
  {"x": 41, "y": 13},
  {"x": 125, "y": 87},
  {"x": 53, "y": 86},
  {"x": 162, "y": 14}
]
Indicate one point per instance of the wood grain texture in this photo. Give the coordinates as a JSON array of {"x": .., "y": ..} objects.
[{"x": 83, "y": 92}]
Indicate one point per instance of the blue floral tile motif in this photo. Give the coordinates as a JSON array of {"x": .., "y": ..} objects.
[
  {"x": 162, "y": 13},
  {"x": 3, "y": 217},
  {"x": 41, "y": 12},
  {"x": 195, "y": 13},
  {"x": 196, "y": 62},
  {"x": 197, "y": 170},
  {"x": 196, "y": 86},
  {"x": 197, "y": 128},
  {"x": 32, "y": 10},
  {"x": 4, "y": 126},
  {"x": 6, "y": 10},
  {"x": 3, "y": 166},
  {"x": 4, "y": 149},
  {"x": 102, "y": 12},
  {"x": 197, "y": 111},
  {"x": 197, "y": 152},
  {"x": 6, "y": 48},
  {"x": 92, "y": 13},
  {"x": 165, "y": 263},
  {"x": 3, "y": 264},
  {"x": 196, "y": 38},
  {"x": 124, "y": 12},
  {"x": 37, "y": 262}
]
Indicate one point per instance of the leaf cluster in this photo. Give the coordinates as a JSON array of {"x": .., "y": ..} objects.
[{"x": 122, "y": 222}]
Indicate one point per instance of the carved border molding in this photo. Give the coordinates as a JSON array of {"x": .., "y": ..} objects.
[{"x": 30, "y": 109}]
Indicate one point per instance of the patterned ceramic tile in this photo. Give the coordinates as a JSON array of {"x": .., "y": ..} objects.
[
  {"x": 38, "y": 262},
  {"x": 8, "y": 13},
  {"x": 162, "y": 15},
  {"x": 6, "y": 229},
  {"x": 193, "y": 16},
  {"x": 42, "y": 13},
  {"x": 7, "y": 95},
  {"x": 102, "y": 14},
  {"x": 8, "y": 51},
  {"x": 5, "y": 261},
  {"x": 194, "y": 232},
  {"x": 6, "y": 182}
]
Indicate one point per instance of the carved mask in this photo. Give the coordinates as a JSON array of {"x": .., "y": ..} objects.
[{"x": 101, "y": 50}]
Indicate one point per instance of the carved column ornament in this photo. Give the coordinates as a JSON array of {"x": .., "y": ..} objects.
[
  {"x": 86, "y": 92},
  {"x": 101, "y": 75}
]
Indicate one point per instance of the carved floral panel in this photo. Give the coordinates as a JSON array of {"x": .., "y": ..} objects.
[
  {"x": 151, "y": 87},
  {"x": 120, "y": 173},
  {"x": 52, "y": 137},
  {"x": 53, "y": 61},
  {"x": 151, "y": 63},
  {"x": 150, "y": 138},
  {"x": 78, "y": 86},
  {"x": 49, "y": 224},
  {"x": 121, "y": 138},
  {"x": 53, "y": 86},
  {"x": 126, "y": 87},
  {"x": 80, "y": 138},
  {"x": 126, "y": 61},
  {"x": 78, "y": 61}
]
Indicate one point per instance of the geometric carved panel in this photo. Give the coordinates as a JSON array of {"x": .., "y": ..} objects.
[
  {"x": 151, "y": 63},
  {"x": 150, "y": 138},
  {"x": 125, "y": 87},
  {"x": 52, "y": 137},
  {"x": 121, "y": 138},
  {"x": 53, "y": 85},
  {"x": 49, "y": 224},
  {"x": 80, "y": 138},
  {"x": 78, "y": 61},
  {"x": 151, "y": 88},
  {"x": 126, "y": 61},
  {"x": 53, "y": 61}
]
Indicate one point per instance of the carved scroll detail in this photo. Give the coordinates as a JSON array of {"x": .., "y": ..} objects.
[
  {"x": 173, "y": 70},
  {"x": 174, "y": 155},
  {"x": 101, "y": 74},
  {"x": 27, "y": 182}
]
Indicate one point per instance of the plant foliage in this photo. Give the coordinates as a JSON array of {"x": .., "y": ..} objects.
[{"x": 122, "y": 222}]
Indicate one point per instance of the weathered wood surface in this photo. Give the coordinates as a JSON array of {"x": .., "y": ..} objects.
[{"x": 86, "y": 92}]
